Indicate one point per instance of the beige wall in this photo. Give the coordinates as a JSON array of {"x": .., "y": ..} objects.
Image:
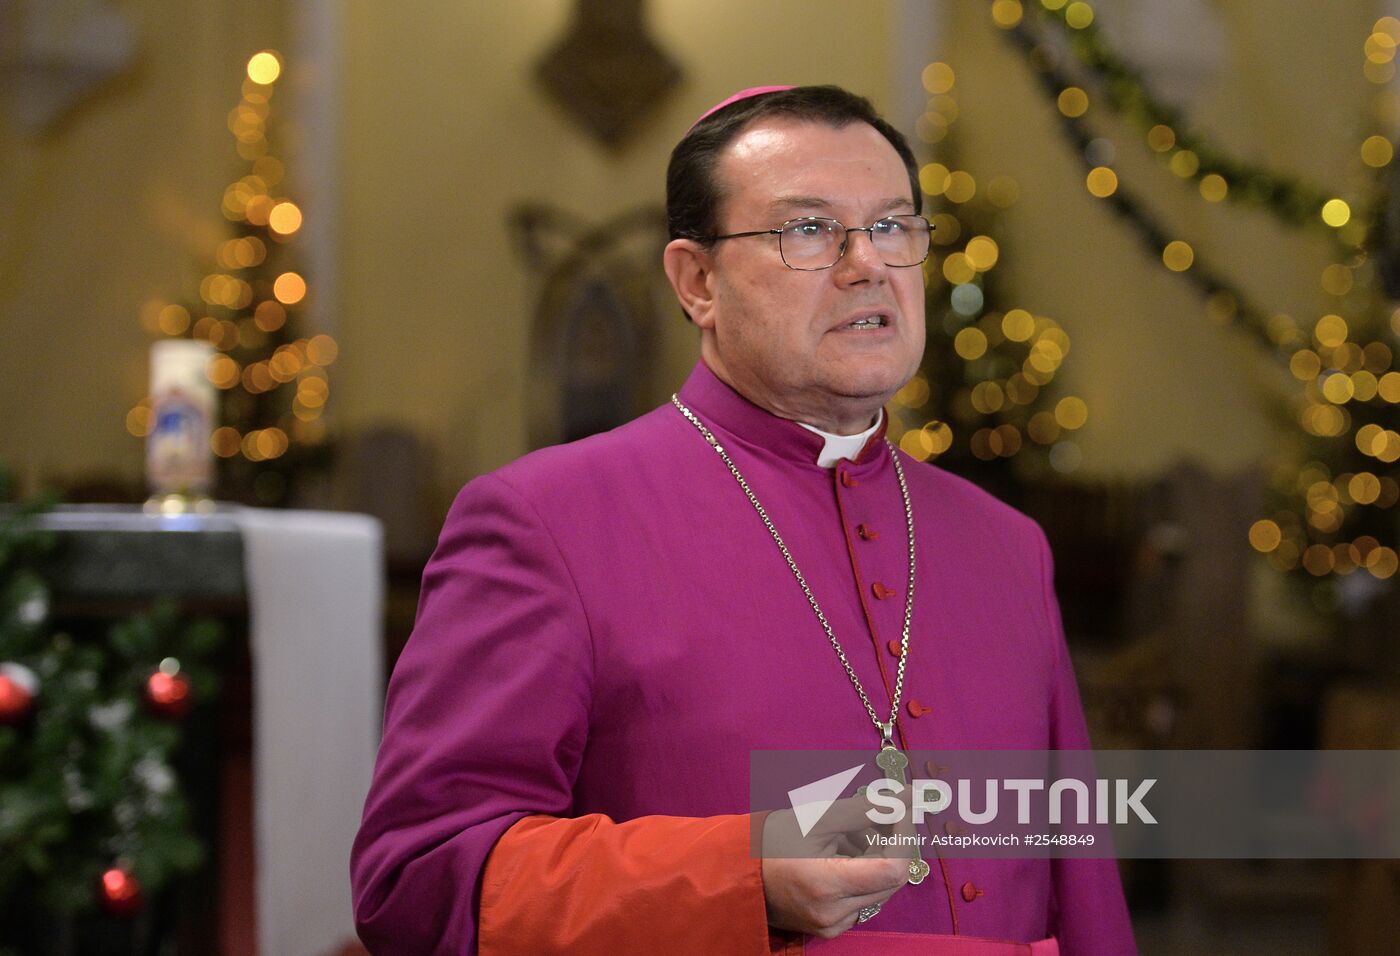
[{"x": 444, "y": 131}]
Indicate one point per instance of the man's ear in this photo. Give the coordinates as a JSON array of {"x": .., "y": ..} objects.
[{"x": 690, "y": 267}]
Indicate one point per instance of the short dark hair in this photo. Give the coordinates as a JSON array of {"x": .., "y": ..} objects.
[{"x": 693, "y": 195}]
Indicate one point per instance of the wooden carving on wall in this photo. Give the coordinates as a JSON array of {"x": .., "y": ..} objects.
[
  {"x": 607, "y": 72},
  {"x": 594, "y": 339}
]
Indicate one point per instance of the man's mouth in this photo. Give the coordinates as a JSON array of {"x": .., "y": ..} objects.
[{"x": 868, "y": 322}]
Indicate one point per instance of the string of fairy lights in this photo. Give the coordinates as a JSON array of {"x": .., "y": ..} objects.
[
  {"x": 1334, "y": 509},
  {"x": 273, "y": 382},
  {"x": 1001, "y": 361},
  {"x": 1226, "y": 302},
  {"x": 1219, "y": 176}
]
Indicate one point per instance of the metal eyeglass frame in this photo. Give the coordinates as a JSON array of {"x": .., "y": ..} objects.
[{"x": 845, "y": 242}]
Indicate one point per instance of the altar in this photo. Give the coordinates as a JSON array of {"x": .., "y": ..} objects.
[{"x": 311, "y": 584}]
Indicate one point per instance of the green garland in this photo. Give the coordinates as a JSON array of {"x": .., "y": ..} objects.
[
  {"x": 1230, "y": 303},
  {"x": 1290, "y": 198},
  {"x": 86, "y": 777}
]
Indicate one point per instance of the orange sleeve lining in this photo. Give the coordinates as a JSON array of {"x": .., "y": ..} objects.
[{"x": 588, "y": 886}]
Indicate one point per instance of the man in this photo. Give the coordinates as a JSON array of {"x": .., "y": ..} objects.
[{"x": 608, "y": 628}]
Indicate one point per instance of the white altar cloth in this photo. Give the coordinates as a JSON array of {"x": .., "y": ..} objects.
[{"x": 315, "y": 607}]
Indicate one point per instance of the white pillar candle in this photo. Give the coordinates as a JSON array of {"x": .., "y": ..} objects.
[{"x": 179, "y": 458}]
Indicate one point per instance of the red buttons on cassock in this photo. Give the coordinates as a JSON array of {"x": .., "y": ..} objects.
[
  {"x": 881, "y": 592},
  {"x": 917, "y": 709},
  {"x": 847, "y": 480},
  {"x": 896, "y": 648},
  {"x": 866, "y": 534},
  {"x": 970, "y": 891}
]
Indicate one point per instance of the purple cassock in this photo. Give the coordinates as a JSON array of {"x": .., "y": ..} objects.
[{"x": 607, "y": 627}]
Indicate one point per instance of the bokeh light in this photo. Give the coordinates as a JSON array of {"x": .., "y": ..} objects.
[
  {"x": 1213, "y": 187},
  {"x": 982, "y": 252},
  {"x": 1178, "y": 256},
  {"x": 1337, "y": 279},
  {"x": 1073, "y": 101},
  {"x": 284, "y": 218},
  {"x": 1079, "y": 15},
  {"x": 322, "y": 350},
  {"x": 174, "y": 320},
  {"x": 290, "y": 288},
  {"x": 1071, "y": 413},
  {"x": 1161, "y": 138},
  {"x": 938, "y": 78},
  {"x": 970, "y": 344},
  {"x": 961, "y": 187},
  {"x": 1184, "y": 163},
  {"x": 1330, "y": 331},
  {"x": 933, "y": 178},
  {"x": 1377, "y": 151},
  {"x": 1018, "y": 325},
  {"x": 1265, "y": 535},
  {"x": 1335, "y": 212},
  {"x": 1006, "y": 13},
  {"x": 264, "y": 67},
  {"x": 1101, "y": 182}
]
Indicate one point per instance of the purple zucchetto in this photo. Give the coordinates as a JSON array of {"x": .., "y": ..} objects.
[{"x": 741, "y": 95}]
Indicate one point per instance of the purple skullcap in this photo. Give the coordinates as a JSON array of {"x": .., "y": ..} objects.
[{"x": 741, "y": 95}]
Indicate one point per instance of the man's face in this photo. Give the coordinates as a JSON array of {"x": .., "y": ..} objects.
[{"x": 782, "y": 337}]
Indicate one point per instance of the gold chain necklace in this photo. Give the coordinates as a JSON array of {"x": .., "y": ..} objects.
[{"x": 889, "y": 759}]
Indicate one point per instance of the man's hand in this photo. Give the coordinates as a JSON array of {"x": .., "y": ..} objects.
[
  {"x": 818, "y": 884},
  {"x": 823, "y": 897}
]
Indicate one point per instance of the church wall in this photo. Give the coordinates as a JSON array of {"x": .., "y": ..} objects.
[{"x": 446, "y": 131}]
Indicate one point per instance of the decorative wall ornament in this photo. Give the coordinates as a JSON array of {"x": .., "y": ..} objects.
[
  {"x": 56, "y": 53},
  {"x": 607, "y": 72},
  {"x": 595, "y": 336}
]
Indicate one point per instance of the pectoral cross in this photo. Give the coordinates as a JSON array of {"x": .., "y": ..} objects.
[{"x": 892, "y": 761}]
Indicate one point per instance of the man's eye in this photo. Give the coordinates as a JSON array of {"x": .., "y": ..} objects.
[
  {"x": 810, "y": 230},
  {"x": 889, "y": 227}
]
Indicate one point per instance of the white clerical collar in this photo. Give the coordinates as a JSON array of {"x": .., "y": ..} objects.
[{"x": 842, "y": 446}]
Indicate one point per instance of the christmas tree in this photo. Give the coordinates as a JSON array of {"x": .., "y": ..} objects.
[
  {"x": 271, "y": 377},
  {"x": 93, "y": 815},
  {"x": 979, "y": 404}
]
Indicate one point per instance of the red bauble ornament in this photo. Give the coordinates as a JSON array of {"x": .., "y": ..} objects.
[
  {"x": 119, "y": 892},
  {"x": 18, "y": 687},
  {"x": 169, "y": 694}
]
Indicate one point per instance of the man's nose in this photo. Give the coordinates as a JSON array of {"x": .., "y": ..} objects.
[{"x": 861, "y": 261}]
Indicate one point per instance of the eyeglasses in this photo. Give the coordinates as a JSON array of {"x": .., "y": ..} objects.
[{"x": 812, "y": 243}]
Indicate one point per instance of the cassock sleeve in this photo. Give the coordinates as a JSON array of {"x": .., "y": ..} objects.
[
  {"x": 1089, "y": 916},
  {"x": 486, "y": 720},
  {"x": 587, "y": 886}
]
